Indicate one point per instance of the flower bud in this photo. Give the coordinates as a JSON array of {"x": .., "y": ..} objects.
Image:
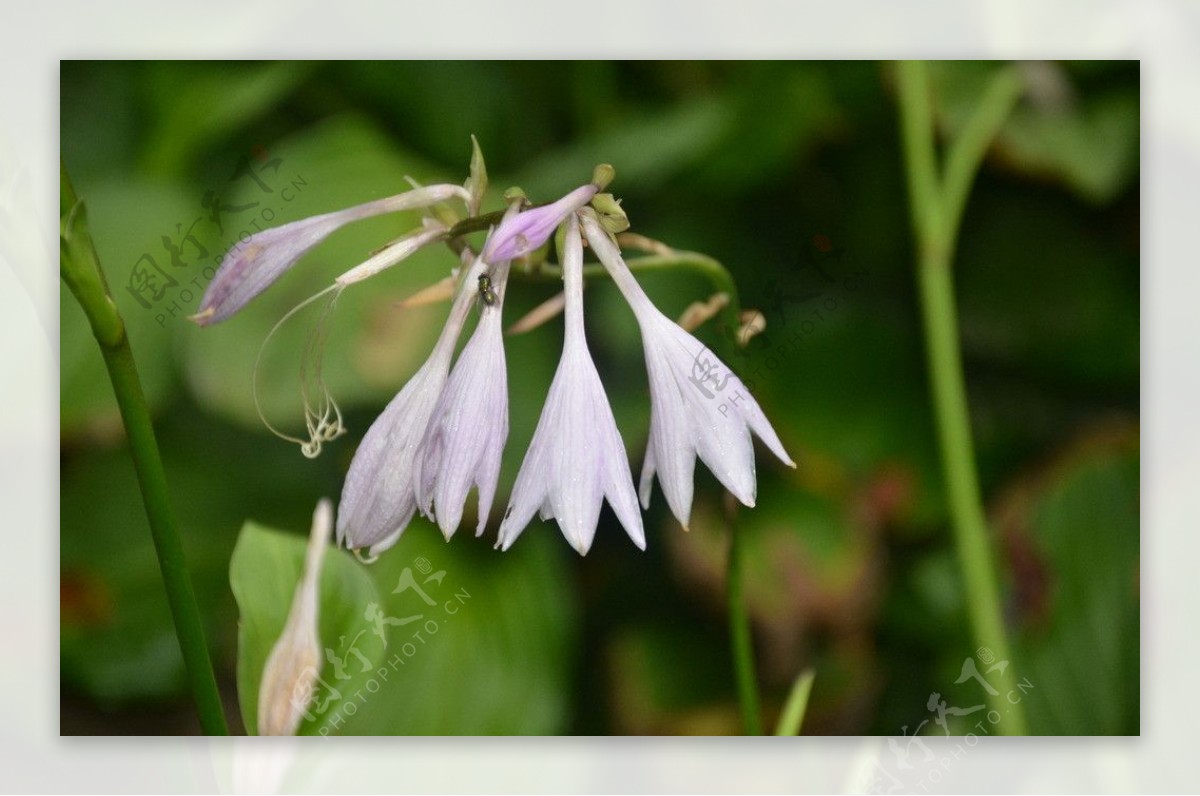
[{"x": 294, "y": 665}]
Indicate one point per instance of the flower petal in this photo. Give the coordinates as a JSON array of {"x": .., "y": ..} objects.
[
  {"x": 521, "y": 234},
  {"x": 253, "y": 266},
  {"x": 576, "y": 458},
  {"x": 378, "y": 497}
]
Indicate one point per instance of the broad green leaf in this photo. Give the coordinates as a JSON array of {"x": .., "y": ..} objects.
[
  {"x": 472, "y": 641},
  {"x": 1087, "y": 141},
  {"x": 491, "y": 654},
  {"x": 646, "y": 150},
  {"x": 198, "y": 103},
  {"x": 763, "y": 144},
  {"x": 263, "y": 574},
  {"x": 1075, "y": 535}
]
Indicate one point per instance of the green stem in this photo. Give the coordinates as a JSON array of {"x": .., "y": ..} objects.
[
  {"x": 936, "y": 214},
  {"x": 739, "y": 626},
  {"x": 80, "y": 269}
]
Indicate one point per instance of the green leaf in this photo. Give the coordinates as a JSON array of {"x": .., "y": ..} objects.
[
  {"x": 646, "y": 149},
  {"x": 476, "y": 641},
  {"x": 792, "y": 718},
  {"x": 1090, "y": 146},
  {"x": 198, "y": 103},
  {"x": 1075, "y": 537},
  {"x": 263, "y": 574},
  {"x": 491, "y": 655},
  {"x": 1087, "y": 141}
]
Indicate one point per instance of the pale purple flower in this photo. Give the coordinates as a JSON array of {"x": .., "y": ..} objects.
[
  {"x": 469, "y": 426},
  {"x": 378, "y": 498},
  {"x": 519, "y": 235},
  {"x": 576, "y": 458},
  {"x": 265, "y": 256},
  {"x": 697, "y": 405}
]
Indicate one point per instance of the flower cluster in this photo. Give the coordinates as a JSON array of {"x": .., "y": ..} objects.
[{"x": 445, "y": 430}]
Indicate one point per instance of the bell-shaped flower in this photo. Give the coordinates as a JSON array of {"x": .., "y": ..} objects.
[
  {"x": 469, "y": 426},
  {"x": 520, "y": 234},
  {"x": 576, "y": 458},
  {"x": 697, "y": 405},
  {"x": 378, "y": 497},
  {"x": 260, "y": 260}
]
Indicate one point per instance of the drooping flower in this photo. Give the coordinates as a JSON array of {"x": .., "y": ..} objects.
[
  {"x": 378, "y": 498},
  {"x": 469, "y": 425},
  {"x": 265, "y": 256},
  {"x": 697, "y": 405},
  {"x": 576, "y": 459}
]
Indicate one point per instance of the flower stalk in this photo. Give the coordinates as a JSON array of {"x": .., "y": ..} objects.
[
  {"x": 745, "y": 669},
  {"x": 937, "y": 205},
  {"x": 80, "y": 269}
]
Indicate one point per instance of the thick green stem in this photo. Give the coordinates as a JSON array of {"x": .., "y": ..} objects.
[
  {"x": 936, "y": 212},
  {"x": 80, "y": 270}
]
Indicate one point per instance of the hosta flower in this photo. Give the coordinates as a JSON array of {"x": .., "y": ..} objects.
[
  {"x": 697, "y": 405},
  {"x": 267, "y": 255},
  {"x": 576, "y": 459},
  {"x": 518, "y": 235},
  {"x": 469, "y": 424},
  {"x": 378, "y": 498}
]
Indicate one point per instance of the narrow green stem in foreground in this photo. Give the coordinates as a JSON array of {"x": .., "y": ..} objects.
[
  {"x": 80, "y": 269},
  {"x": 792, "y": 717},
  {"x": 936, "y": 212},
  {"x": 739, "y": 626}
]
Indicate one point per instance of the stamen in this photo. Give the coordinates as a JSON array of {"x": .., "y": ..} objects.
[
  {"x": 439, "y": 291},
  {"x": 753, "y": 323},
  {"x": 548, "y": 310},
  {"x": 322, "y": 417},
  {"x": 632, "y": 240},
  {"x": 700, "y": 311},
  {"x": 364, "y": 558}
]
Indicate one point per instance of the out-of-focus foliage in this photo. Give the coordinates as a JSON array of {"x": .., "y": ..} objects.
[{"x": 788, "y": 173}]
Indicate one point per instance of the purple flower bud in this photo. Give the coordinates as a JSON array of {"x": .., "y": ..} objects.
[
  {"x": 521, "y": 234},
  {"x": 265, "y": 256}
]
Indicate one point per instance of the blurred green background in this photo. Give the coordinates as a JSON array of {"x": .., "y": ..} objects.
[{"x": 789, "y": 174}]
